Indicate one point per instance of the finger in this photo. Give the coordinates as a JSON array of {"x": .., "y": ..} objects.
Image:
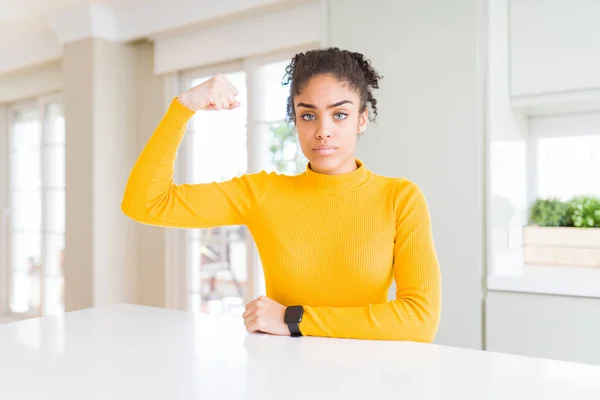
[
  {"x": 248, "y": 312},
  {"x": 252, "y": 327},
  {"x": 225, "y": 102},
  {"x": 233, "y": 88},
  {"x": 251, "y": 309},
  {"x": 235, "y": 105},
  {"x": 211, "y": 102},
  {"x": 249, "y": 319},
  {"x": 217, "y": 103},
  {"x": 253, "y": 302},
  {"x": 231, "y": 98}
]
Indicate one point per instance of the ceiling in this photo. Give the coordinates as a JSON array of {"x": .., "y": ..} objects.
[
  {"x": 26, "y": 18},
  {"x": 33, "y": 31}
]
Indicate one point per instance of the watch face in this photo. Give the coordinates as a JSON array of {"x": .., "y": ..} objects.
[{"x": 293, "y": 314}]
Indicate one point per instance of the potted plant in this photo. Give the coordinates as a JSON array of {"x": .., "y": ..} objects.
[{"x": 563, "y": 232}]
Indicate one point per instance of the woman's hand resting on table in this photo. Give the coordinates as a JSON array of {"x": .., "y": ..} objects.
[{"x": 265, "y": 315}]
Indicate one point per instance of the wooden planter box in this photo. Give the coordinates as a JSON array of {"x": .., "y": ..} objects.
[{"x": 562, "y": 246}]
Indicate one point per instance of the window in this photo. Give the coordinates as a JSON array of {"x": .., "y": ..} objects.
[
  {"x": 36, "y": 213},
  {"x": 549, "y": 156},
  {"x": 568, "y": 166},
  {"x": 223, "y": 267}
]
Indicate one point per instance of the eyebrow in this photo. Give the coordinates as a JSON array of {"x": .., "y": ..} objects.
[{"x": 339, "y": 103}]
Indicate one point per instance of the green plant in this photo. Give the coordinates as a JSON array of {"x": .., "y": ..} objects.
[
  {"x": 548, "y": 212},
  {"x": 286, "y": 156},
  {"x": 583, "y": 212}
]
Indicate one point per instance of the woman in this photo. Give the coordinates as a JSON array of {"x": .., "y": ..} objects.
[{"x": 330, "y": 239}]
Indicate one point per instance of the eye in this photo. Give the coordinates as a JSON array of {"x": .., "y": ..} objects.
[
  {"x": 340, "y": 116},
  {"x": 308, "y": 117}
]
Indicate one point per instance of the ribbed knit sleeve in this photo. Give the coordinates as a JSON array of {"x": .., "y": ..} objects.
[
  {"x": 415, "y": 313},
  {"x": 151, "y": 196}
]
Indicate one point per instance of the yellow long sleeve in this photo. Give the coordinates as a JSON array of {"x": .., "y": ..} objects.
[
  {"x": 152, "y": 197},
  {"x": 331, "y": 243}
]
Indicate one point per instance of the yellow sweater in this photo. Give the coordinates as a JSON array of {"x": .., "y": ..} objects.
[{"x": 331, "y": 243}]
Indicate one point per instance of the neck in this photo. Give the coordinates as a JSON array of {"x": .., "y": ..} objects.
[
  {"x": 339, "y": 182},
  {"x": 345, "y": 168}
]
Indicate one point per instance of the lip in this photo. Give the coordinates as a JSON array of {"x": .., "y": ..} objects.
[{"x": 324, "y": 150}]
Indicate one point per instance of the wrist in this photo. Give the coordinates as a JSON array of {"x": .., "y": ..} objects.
[{"x": 184, "y": 101}]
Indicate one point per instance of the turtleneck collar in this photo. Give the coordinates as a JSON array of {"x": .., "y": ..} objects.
[{"x": 341, "y": 182}]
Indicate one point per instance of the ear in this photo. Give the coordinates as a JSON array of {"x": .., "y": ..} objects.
[{"x": 363, "y": 120}]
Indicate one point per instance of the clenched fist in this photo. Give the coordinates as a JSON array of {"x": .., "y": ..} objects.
[
  {"x": 265, "y": 315},
  {"x": 217, "y": 93}
]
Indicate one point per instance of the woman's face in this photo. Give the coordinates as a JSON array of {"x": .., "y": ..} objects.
[{"x": 328, "y": 123}]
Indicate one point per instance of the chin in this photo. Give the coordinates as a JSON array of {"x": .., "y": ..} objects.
[{"x": 325, "y": 164}]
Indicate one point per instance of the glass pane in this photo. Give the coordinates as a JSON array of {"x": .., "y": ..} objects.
[
  {"x": 54, "y": 255},
  {"x": 54, "y": 167},
  {"x": 25, "y": 293},
  {"x": 26, "y": 210},
  {"x": 25, "y": 252},
  {"x": 279, "y": 149},
  {"x": 195, "y": 255},
  {"x": 273, "y": 102},
  {"x": 26, "y": 130},
  {"x": 277, "y": 146},
  {"x": 55, "y": 124},
  {"x": 54, "y": 295},
  {"x": 508, "y": 179},
  {"x": 569, "y": 166},
  {"x": 218, "y": 140},
  {"x": 55, "y": 210},
  {"x": 218, "y": 270},
  {"x": 25, "y": 171}
]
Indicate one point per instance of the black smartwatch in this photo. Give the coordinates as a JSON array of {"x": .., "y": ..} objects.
[{"x": 293, "y": 317}]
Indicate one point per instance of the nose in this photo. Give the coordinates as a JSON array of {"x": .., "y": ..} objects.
[{"x": 323, "y": 131}]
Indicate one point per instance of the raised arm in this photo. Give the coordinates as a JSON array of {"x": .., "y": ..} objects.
[{"x": 151, "y": 196}]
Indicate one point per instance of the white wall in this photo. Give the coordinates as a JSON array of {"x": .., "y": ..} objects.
[
  {"x": 557, "y": 327},
  {"x": 151, "y": 240},
  {"x": 77, "y": 97},
  {"x": 4, "y": 177},
  {"x": 580, "y": 124},
  {"x": 115, "y": 106},
  {"x": 246, "y": 36},
  {"x": 555, "y": 46},
  {"x": 100, "y": 98},
  {"x": 430, "y": 129},
  {"x": 30, "y": 82}
]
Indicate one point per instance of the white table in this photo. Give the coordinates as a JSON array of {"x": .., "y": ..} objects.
[{"x": 132, "y": 352}]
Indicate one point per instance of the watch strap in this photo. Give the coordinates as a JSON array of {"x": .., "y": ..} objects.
[{"x": 295, "y": 329}]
